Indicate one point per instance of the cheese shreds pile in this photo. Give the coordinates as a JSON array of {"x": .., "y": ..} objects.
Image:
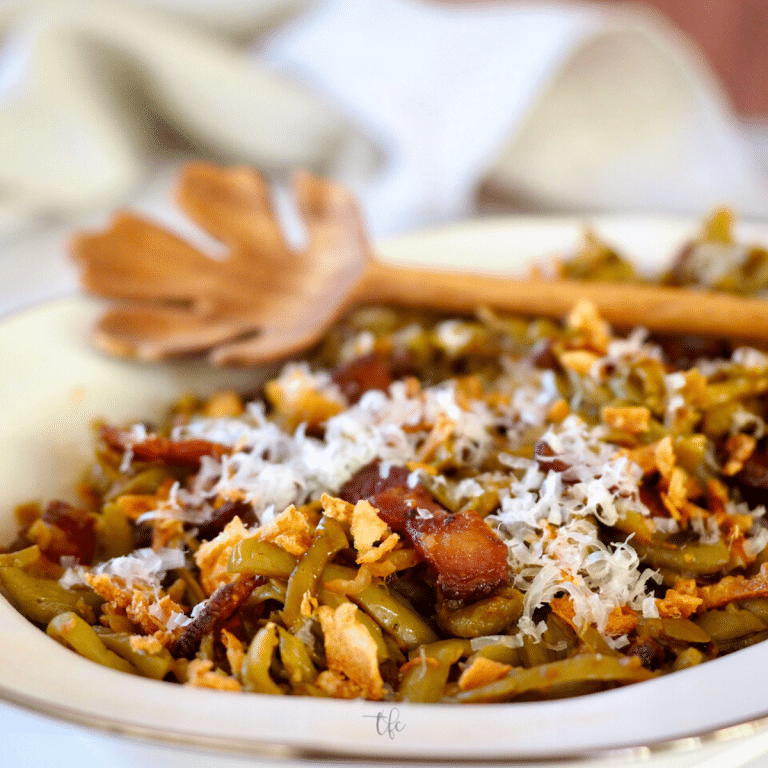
[
  {"x": 271, "y": 469},
  {"x": 554, "y": 547},
  {"x": 145, "y": 567},
  {"x": 547, "y": 518}
]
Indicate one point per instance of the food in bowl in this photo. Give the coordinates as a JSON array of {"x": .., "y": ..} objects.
[{"x": 429, "y": 509}]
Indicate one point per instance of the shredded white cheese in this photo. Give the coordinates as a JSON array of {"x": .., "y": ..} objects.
[
  {"x": 550, "y": 506},
  {"x": 144, "y": 567}
]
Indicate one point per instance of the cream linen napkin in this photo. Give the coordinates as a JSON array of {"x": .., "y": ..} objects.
[
  {"x": 554, "y": 106},
  {"x": 558, "y": 106}
]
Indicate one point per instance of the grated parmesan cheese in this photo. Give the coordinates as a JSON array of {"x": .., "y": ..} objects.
[
  {"x": 145, "y": 567},
  {"x": 548, "y": 519}
]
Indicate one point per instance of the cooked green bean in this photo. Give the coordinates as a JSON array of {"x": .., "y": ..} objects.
[
  {"x": 428, "y": 670},
  {"x": 559, "y": 638},
  {"x": 684, "y": 631},
  {"x": 145, "y": 482},
  {"x": 391, "y": 613},
  {"x": 76, "y": 633},
  {"x": 699, "y": 559},
  {"x": 534, "y": 653},
  {"x": 193, "y": 591},
  {"x": 295, "y": 658},
  {"x": 156, "y": 664},
  {"x": 595, "y": 642},
  {"x": 488, "y": 616},
  {"x": 21, "y": 558},
  {"x": 546, "y": 679},
  {"x": 329, "y": 539},
  {"x": 258, "y": 660},
  {"x": 725, "y": 625},
  {"x": 758, "y": 606},
  {"x": 115, "y": 532},
  {"x": 40, "y": 599},
  {"x": 274, "y": 589},
  {"x": 498, "y": 649},
  {"x": 689, "y": 657},
  {"x": 261, "y": 558}
]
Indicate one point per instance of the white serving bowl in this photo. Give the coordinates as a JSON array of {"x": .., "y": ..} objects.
[{"x": 55, "y": 384}]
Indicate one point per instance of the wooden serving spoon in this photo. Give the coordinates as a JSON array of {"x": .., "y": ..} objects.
[{"x": 266, "y": 301}]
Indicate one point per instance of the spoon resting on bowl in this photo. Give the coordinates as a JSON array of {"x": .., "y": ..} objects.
[{"x": 266, "y": 300}]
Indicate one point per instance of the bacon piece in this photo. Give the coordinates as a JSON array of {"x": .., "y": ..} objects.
[
  {"x": 372, "y": 371},
  {"x": 177, "y": 453},
  {"x": 220, "y": 606},
  {"x": 224, "y": 515},
  {"x": 470, "y": 560},
  {"x": 547, "y": 461},
  {"x": 752, "y": 480},
  {"x": 362, "y": 374},
  {"x": 64, "y": 530}
]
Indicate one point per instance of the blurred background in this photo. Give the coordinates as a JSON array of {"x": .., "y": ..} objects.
[
  {"x": 430, "y": 110},
  {"x": 733, "y": 34}
]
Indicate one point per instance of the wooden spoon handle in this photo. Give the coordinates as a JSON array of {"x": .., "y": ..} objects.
[{"x": 623, "y": 305}]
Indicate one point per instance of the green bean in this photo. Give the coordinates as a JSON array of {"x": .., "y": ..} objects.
[
  {"x": 534, "y": 653},
  {"x": 262, "y": 558},
  {"x": 274, "y": 589},
  {"x": 717, "y": 421},
  {"x": 488, "y": 616},
  {"x": 684, "y": 631},
  {"x": 719, "y": 393},
  {"x": 725, "y": 625},
  {"x": 115, "y": 535},
  {"x": 696, "y": 559},
  {"x": 329, "y": 539},
  {"x": 548, "y": 679},
  {"x": 637, "y": 524},
  {"x": 689, "y": 657},
  {"x": 428, "y": 669},
  {"x": 391, "y": 613},
  {"x": 559, "y": 637},
  {"x": 40, "y": 599},
  {"x": 21, "y": 558},
  {"x": 154, "y": 665},
  {"x": 193, "y": 592},
  {"x": 78, "y": 635},
  {"x": 758, "y": 606},
  {"x": 500, "y": 651},
  {"x": 729, "y": 646},
  {"x": 146, "y": 482},
  {"x": 258, "y": 660},
  {"x": 295, "y": 658},
  {"x": 594, "y": 642},
  {"x": 207, "y": 647},
  {"x": 691, "y": 453}
]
